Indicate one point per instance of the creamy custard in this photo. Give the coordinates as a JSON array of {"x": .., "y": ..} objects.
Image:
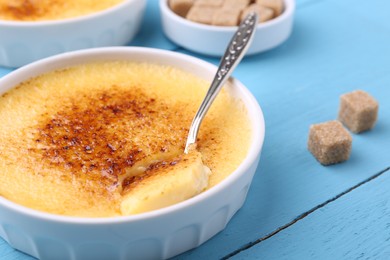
[
  {"x": 41, "y": 10},
  {"x": 107, "y": 139}
]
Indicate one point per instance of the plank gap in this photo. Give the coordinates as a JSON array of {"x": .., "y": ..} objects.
[
  {"x": 302, "y": 216},
  {"x": 177, "y": 48}
]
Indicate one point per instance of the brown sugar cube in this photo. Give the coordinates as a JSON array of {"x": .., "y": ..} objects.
[
  {"x": 181, "y": 7},
  {"x": 213, "y": 3},
  {"x": 276, "y": 5},
  {"x": 226, "y": 17},
  {"x": 264, "y": 13},
  {"x": 358, "y": 111},
  {"x": 329, "y": 142},
  {"x": 202, "y": 14},
  {"x": 236, "y": 4}
]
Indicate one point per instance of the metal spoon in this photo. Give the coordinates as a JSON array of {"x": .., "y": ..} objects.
[{"x": 235, "y": 51}]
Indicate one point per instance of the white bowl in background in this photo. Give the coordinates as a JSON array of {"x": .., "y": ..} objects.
[
  {"x": 25, "y": 42},
  {"x": 157, "y": 234},
  {"x": 213, "y": 40}
]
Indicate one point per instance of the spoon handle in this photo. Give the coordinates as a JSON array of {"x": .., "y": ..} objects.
[{"x": 235, "y": 51}]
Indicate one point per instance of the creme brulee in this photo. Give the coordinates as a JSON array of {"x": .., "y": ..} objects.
[
  {"x": 41, "y": 10},
  {"x": 107, "y": 139}
]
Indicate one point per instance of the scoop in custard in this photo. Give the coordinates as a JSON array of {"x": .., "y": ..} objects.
[
  {"x": 165, "y": 183},
  {"x": 106, "y": 139}
]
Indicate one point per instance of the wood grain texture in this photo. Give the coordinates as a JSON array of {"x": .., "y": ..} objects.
[
  {"x": 151, "y": 33},
  {"x": 8, "y": 253},
  {"x": 336, "y": 47},
  {"x": 330, "y": 52},
  {"x": 355, "y": 226},
  {"x": 4, "y": 71}
]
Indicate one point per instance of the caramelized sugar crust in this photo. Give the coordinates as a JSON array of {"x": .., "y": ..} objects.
[
  {"x": 37, "y": 10},
  {"x": 79, "y": 141},
  {"x": 98, "y": 137}
]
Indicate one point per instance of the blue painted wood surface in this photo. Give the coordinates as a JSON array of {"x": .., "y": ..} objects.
[
  {"x": 336, "y": 47},
  {"x": 354, "y": 226}
]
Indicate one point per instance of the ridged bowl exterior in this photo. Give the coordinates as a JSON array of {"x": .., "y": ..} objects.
[
  {"x": 212, "y": 40},
  {"x": 159, "y": 234},
  {"x": 24, "y": 42}
]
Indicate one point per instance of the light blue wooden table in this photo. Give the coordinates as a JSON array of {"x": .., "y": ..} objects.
[{"x": 296, "y": 208}]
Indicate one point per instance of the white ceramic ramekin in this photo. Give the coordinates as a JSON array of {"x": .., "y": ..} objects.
[
  {"x": 25, "y": 42},
  {"x": 153, "y": 235},
  {"x": 213, "y": 40}
]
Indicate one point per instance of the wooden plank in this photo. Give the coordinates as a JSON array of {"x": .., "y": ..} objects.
[
  {"x": 299, "y": 84},
  {"x": 4, "y": 71},
  {"x": 373, "y": 12},
  {"x": 356, "y": 226},
  {"x": 8, "y": 253},
  {"x": 151, "y": 33}
]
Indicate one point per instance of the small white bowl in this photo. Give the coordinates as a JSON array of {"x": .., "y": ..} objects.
[
  {"x": 25, "y": 42},
  {"x": 213, "y": 40},
  {"x": 157, "y": 234}
]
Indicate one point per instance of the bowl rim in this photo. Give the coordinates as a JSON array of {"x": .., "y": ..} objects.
[
  {"x": 288, "y": 11},
  {"x": 257, "y": 141},
  {"x": 70, "y": 20}
]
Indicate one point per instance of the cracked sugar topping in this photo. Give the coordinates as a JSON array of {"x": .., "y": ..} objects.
[
  {"x": 40, "y": 10},
  {"x": 77, "y": 141}
]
